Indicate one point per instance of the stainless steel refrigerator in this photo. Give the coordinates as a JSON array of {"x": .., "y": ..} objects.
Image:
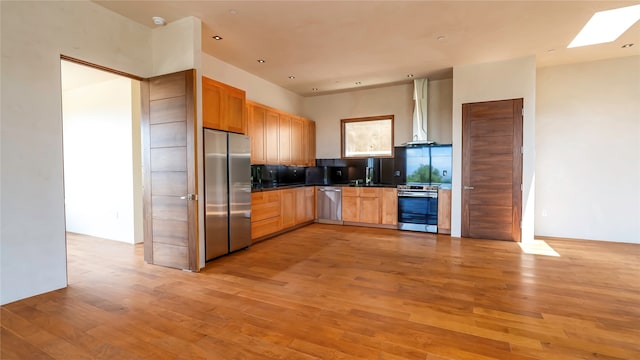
[{"x": 227, "y": 189}]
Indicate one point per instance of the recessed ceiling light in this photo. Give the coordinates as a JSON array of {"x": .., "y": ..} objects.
[
  {"x": 410, "y": 75},
  {"x": 217, "y": 37},
  {"x": 627, "y": 45},
  {"x": 292, "y": 77},
  {"x": 314, "y": 89},
  {"x": 606, "y": 26},
  {"x": 358, "y": 83},
  {"x": 261, "y": 61},
  {"x": 158, "y": 20}
]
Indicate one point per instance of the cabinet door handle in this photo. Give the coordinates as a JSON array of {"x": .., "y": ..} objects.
[
  {"x": 189, "y": 197},
  {"x": 469, "y": 187}
]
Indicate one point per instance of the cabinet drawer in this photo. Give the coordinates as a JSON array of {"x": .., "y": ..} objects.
[
  {"x": 349, "y": 191},
  {"x": 265, "y": 205},
  {"x": 264, "y": 227}
]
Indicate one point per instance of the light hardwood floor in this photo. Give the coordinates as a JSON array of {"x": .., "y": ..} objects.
[{"x": 333, "y": 292}]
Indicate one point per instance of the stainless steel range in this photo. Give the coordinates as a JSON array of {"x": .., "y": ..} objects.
[{"x": 418, "y": 207}]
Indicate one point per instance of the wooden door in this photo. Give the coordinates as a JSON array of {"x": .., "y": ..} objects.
[
  {"x": 257, "y": 126},
  {"x": 272, "y": 124},
  {"x": 492, "y": 169},
  {"x": 169, "y": 170}
]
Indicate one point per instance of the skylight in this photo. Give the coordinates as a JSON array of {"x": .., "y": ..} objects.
[{"x": 606, "y": 26}]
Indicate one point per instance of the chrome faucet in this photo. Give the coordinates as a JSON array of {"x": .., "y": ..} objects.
[{"x": 368, "y": 175}]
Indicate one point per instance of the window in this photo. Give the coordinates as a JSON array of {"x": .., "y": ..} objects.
[{"x": 367, "y": 137}]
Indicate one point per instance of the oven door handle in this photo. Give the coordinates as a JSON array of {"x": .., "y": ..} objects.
[{"x": 417, "y": 195}]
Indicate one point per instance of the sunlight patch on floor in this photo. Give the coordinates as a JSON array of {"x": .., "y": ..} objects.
[{"x": 537, "y": 247}]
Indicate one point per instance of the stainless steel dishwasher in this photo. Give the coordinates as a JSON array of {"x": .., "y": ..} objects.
[{"x": 329, "y": 205}]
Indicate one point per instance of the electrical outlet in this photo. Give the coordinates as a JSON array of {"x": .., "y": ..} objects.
[{"x": 545, "y": 212}]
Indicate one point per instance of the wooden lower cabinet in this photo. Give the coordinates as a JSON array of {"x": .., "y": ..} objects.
[
  {"x": 287, "y": 209},
  {"x": 444, "y": 211},
  {"x": 389, "y": 210},
  {"x": 370, "y": 206},
  {"x": 278, "y": 210}
]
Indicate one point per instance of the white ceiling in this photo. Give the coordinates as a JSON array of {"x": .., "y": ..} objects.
[{"x": 331, "y": 45}]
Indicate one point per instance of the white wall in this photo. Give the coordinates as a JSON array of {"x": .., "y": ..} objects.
[
  {"x": 588, "y": 150},
  {"x": 98, "y": 159},
  {"x": 327, "y": 110},
  {"x": 34, "y": 34},
  {"x": 496, "y": 81},
  {"x": 257, "y": 89}
]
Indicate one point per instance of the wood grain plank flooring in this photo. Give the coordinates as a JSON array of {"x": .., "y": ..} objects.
[{"x": 339, "y": 292}]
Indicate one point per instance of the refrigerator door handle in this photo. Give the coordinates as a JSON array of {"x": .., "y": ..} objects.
[{"x": 189, "y": 197}]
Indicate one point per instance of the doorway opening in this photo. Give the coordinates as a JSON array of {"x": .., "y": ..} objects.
[{"x": 102, "y": 165}]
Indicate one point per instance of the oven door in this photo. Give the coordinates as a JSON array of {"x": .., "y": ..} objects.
[{"x": 418, "y": 211}]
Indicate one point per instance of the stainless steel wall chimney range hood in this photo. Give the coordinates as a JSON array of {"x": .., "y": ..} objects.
[{"x": 420, "y": 98}]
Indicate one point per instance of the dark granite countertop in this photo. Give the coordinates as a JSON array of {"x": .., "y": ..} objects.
[{"x": 290, "y": 186}]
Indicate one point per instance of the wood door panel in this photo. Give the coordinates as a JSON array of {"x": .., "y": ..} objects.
[
  {"x": 172, "y": 232},
  {"x": 284, "y": 140},
  {"x": 171, "y": 255},
  {"x": 492, "y": 109},
  {"x": 492, "y": 169},
  {"x": 491, "y": 177},
  {"x": 350, "y": 208},
  {"x": 169, "y": 159},
  {"x": 169, "y": 170},
  {"x": 168, "y": 110},
  {"x": 169, "y": 183},
  {"x": 389, "y": 211},
  {"x": 370, "y": 210},
  {"x": 492, "y": 145},
  {"x": 169, "y": 208},
  {"x": 265, "y": 227},
  {"x": 494, "y": 127},
  {"x": 493, "y": 195},
  {"x": 257, "y": 127},
  {"x": 168, "y": 134},
  {"x": 287, "y": 208},
  {"x": 167, "y": 86},
  {"x": 272, "y": 141},
  {"x": 444, "y": 211},
  {"x": 369, "y": 192},
  {"x": 490, "y": 215},
  {"x": 236, "y": 112}
]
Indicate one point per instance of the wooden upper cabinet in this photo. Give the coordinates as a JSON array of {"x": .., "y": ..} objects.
[
  {"x": 271, "y": 139},
  {"x": 212, "y": 104},
  {"x": 279, "y": 138},
  {"x": 310, "y": 137},
  {"x": 257, "y": 133},
  {"x": 236, "y": 110},
  {"x": 284, "y": 139},
  {"x": 298, "y": 150},
  {"x": 223, "y": 107}
]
